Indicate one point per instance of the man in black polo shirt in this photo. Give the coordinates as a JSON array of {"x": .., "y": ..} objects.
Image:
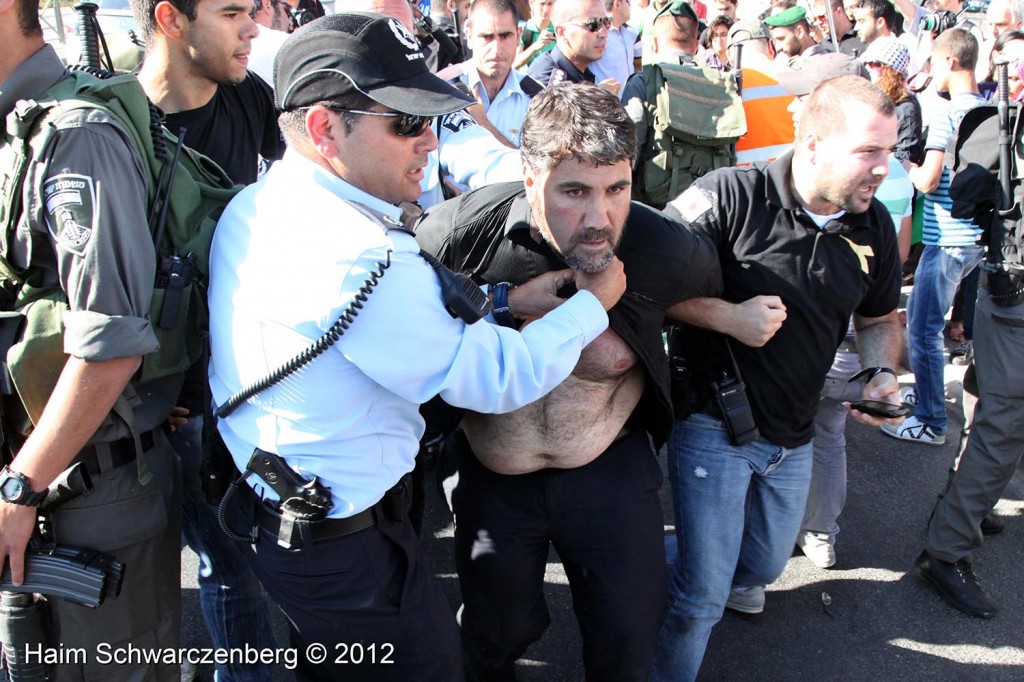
[
  {"x": 575, "y": 469},
  {"x": 581, "y": 34},
  {"x": 802, "y": 244}
]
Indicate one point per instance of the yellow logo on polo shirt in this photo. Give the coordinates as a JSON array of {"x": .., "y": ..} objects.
[{"x": 862, "y": 253}]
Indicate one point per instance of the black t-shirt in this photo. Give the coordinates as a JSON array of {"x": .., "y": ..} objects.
[
  {"x": 235, "y": 128},
  {"x": 768, "y": 245},
  {"x": 486, "y": 234}
]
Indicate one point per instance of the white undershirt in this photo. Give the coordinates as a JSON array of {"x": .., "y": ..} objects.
[{"x": 822, "y": 220}]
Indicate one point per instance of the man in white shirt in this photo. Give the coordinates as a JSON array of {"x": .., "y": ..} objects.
[{"x": 622, "y": 49}]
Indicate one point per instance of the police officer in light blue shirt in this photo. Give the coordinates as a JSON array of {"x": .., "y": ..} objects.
[
  {"x": 504, "y": 92},
  {"x": 291, "y": 254}
]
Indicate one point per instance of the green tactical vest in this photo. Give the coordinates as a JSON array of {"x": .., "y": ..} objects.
[{"x": 31, "y": 325}]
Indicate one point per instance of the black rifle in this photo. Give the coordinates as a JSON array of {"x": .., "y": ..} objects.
[
  {"x": 738, "y": 68},
  {"x": 91, "y": 37},
  {"x": 1005, "y": 277},
  {"x": 1003, "y": 109},
  {"x": 80, "y": 576},
  {"x": 22, "y": 620}
]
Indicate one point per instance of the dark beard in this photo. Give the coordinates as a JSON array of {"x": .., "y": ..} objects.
[{"x": 592, "y": 264}]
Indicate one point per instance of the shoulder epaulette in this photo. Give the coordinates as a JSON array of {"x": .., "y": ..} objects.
[
  {"x": 530, "y": 86},
  {"x": 557, "y": 76}
]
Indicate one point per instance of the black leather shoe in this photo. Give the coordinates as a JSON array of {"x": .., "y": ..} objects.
[
  {"x": 955, "y": 582},
  {"x": 992, "y": 525}
]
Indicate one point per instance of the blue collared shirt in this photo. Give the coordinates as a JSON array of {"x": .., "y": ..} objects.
[
  {"x": 619, "y": 53},
  {"x": 290, "y": 253},
  {"x": 508, "y": 109}
]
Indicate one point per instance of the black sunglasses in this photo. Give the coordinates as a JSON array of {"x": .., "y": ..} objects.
[
  {"x": 593, "y": 25},
  {"x": 406, "y": 125}
]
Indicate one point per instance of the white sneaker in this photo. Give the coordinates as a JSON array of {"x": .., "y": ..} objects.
[
  {"x": 914, "y": 431},
  {"x": 746, "y": 599},
  {"x": 908, "y": 396},
  {"x": 818, "y": 548}
]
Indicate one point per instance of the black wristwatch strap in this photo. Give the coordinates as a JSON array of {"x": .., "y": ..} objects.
[
  {"x": 499, "y": 309},
  {"x": 869, "y": 373},
  {"x": 29, "y": 499}
]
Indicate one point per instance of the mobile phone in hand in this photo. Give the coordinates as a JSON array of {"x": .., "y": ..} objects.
[{"x": 877, "y": 408}]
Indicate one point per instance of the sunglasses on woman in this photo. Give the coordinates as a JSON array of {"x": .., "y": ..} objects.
[{"x": 593, "y": 25}]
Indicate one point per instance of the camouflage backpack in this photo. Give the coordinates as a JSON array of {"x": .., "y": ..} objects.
[{"x": 694, "y": 118}]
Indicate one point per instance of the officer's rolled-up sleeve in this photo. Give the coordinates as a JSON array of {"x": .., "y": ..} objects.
[
  {"x": 407, "y": 342},
  {"x": 93, "y": 205}
]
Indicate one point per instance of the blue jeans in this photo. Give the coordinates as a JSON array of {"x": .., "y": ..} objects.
[
  {"x": 935, "y": 281},
  {"x": 232, "y": 600},
  {"x": 738, "y": 511}
]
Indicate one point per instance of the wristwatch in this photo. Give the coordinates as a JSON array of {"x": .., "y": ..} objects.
[
  {"x": 500, "y": 310},
  {"x": 15, "y": 489}
]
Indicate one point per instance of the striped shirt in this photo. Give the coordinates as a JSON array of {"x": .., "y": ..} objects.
[{"x": 941, "y": 228}]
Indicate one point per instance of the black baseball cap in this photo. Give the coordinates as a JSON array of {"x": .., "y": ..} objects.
[{"x": 364, "y": 52}]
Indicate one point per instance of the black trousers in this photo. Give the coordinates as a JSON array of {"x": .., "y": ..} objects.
[
  {"x": 369, "y": 599},
  {"x": 604, "y": 520}
]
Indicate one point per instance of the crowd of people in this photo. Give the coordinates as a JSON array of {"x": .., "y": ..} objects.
[{"x": 442, "y": 248}]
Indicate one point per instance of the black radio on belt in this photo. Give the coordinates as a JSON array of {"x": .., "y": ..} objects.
[
  {"x": 731, "y": 398},
  {"x": 173, "y": 274},
  {"x": 732, "y": 401}
]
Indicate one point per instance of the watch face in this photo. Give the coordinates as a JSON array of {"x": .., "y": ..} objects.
[{"x": 12, "y": 489}]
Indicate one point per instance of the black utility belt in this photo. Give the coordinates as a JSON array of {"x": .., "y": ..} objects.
[
  {"x": 121, "y": 452},
  {"x": 393, "y": 506}
]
